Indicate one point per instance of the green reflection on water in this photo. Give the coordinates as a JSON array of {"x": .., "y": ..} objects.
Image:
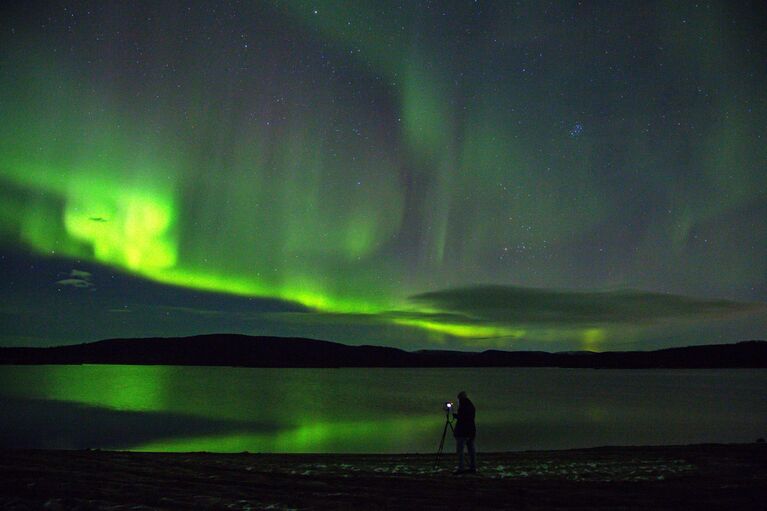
[
  {"x": 360, "y": 436},
  {"x": 301, "y": 410},
  {"x": 379, "y": 410},
  {"x": 127, "y": 388}
]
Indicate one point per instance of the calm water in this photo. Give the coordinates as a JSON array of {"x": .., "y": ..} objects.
[{"x": 371, "y": 410}]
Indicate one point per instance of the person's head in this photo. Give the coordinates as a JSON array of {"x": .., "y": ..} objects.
[{"x": 462, "y": 395}]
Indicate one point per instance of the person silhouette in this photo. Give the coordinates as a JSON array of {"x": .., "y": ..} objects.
[{"x": 465, "y": 431}]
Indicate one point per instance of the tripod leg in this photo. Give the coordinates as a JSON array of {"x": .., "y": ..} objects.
[{"x": 442, "y": 443}]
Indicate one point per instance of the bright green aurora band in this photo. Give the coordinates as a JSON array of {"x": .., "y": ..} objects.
[{"x": 361, "y": 153}]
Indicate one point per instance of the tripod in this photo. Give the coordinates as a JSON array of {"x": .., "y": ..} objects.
[{"x": 448, "y": 423}]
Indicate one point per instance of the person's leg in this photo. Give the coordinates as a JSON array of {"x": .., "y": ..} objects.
[
  {"x": 459, "y": 444},
  {"x": 472, "y": 454}
]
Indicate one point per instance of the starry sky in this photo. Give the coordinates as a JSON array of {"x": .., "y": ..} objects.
[{"x": 421, "y": 174}]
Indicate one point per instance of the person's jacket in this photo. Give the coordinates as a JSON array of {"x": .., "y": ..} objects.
[{"x": 465, "y": 426}]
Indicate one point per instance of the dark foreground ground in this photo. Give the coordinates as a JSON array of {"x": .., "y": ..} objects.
[{"x": 691, "y": 477}]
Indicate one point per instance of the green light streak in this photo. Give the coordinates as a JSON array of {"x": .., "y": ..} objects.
[
  {"x": 464, "y": 330},
  {"x": 409, "y": 153},
  {"x": 107, "y": 194}
]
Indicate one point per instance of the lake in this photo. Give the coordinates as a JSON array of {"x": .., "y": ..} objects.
[{"x": 171, "y": 408}]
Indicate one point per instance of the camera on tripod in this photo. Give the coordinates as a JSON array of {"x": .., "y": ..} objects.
[{"x": 447, "y": 407}]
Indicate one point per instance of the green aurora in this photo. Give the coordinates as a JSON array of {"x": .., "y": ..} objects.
[{"x": 350, "y": 156}]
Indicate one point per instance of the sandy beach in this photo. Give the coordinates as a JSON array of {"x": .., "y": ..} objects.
[{"x": 670, "y": 477}]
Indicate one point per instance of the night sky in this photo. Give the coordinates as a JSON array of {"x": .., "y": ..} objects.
[{"x": 465, "y": 174}]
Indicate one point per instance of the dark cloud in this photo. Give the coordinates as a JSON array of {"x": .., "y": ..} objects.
[
  {"x": 542, "y": 319},
  {"x": 517, "y": 305},
  {"x": 514, "y": 306},
  {"x": 78, "y": 278},
  {"x": 75, "y": 283},
  {"x": 81, "y": 274}
]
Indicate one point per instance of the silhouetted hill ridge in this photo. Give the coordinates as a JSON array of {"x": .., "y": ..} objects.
[{"x": 249, "y": 351}]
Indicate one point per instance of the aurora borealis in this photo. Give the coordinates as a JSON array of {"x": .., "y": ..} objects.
[{"x": 523, "y": 175}]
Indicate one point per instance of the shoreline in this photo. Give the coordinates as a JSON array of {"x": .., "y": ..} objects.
[{"x": 687, "y": 476}]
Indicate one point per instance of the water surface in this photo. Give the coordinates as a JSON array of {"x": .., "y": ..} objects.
[{"x": 371, "y": 410}]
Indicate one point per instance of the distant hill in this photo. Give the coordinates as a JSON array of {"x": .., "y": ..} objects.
[{"x": 248, "y": 351}]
